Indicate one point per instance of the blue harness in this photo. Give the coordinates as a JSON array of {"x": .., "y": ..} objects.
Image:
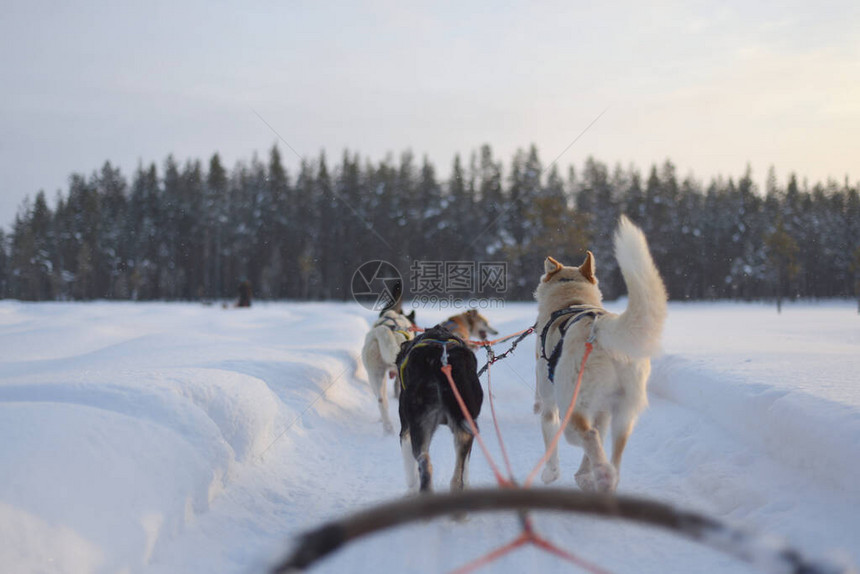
[{"x": 571, "y": 316}]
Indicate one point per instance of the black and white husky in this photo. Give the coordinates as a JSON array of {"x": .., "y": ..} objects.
[
  {"x": 381, "y": 345},
  {"x": 427, "y": 401}
]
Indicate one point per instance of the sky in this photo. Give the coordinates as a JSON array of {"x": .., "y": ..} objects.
[{"x": 713, "y": 86}]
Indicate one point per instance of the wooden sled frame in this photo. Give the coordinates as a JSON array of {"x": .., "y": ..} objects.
[{"x": 746, "y": 546}]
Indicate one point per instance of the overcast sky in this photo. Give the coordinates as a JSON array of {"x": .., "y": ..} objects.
[{"x": 710, "y": 85}]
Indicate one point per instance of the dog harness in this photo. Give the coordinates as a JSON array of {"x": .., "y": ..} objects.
[
  {"x": 446, "y": 344},
  {"x": 394, "y": 327},
  {"x": 570, "y": 316},
  {"x": 454, "y": 326}
]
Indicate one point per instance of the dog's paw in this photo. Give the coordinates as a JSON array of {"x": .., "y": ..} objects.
[
  {"x": 412, "y": 480},
  {"x": 412, "y": 489},
  {"x": 387, "y": 428},
  {"x": 549, "y": 474},
  {"x": 537, "y": 407},
  {"x": 605, "y": 478},
  {"x": 585, "y": 481}
]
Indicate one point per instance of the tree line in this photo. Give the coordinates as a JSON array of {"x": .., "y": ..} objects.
[{"x": 190, "y": 232}]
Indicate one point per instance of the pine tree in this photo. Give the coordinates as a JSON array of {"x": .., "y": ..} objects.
[
  {"x": 855, "y": 269},
  {"x": 145, "y": 234},
  {"x": 4, "y": 266},
  {"x": 306, "y": 243},
  {"x": 329, "y": 219},
  {"x": 782, "y": 255},
  {"x": 78, "y": 227},
  {"x": 276, "y": 227},
  {"x": 24, "y": 276},
  {"x": 558, "y": 231},
  {"x": 191, "y": 236},
  {"x": 794, "y": 220},
  {"x": 754, "y": 272},
  {"x": 457, "y": 213},
  {"x": 358, "y": 241},
  {"x": 524, "y": 188},
  {"x": 488, "y": 237},
  {"x": 216, "y": 222},
  {"x": 597, "y": 199},
  {"x": 689, "y": 245},
  {"x": 401, "y": 233},
  {"x": 40, "y": 266},
  {"x": 430, "y": 221},
  {"x": 852, "y": 229},
  {"x": 171, "y": 231},
  {"x": 110, "y": 186}
]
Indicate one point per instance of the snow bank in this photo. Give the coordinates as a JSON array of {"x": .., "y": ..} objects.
[
  {"x": 123, "y": 423},
  {"x": 814, "y": 435},
  {"x": 786, "y": 383},
  {"x": 122, "y": 460},
  {"x": 25, "y": 537}
]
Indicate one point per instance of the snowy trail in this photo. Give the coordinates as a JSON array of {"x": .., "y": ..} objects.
[{"x": 179, "y": 438}]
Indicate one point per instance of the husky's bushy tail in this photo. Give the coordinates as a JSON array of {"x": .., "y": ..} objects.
[{"x": 635, "y": 332}]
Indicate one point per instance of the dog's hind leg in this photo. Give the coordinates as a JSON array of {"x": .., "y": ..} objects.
[
  {"x": 378, "y": 381},
  {"x": 620, "y": 435},
  {"x": 604, "y": 475},
  {"x": 584, "y": 478},
  {"x": 409, "y": 464},
  {"x": 601, "y": 423},
  {"x": 421, "y": 451},
  {"x": 549, "y": 427},
  {"x": 463, "y": 440}
]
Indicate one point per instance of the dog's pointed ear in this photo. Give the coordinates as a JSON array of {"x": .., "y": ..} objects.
[
  {"x": 472, "y": 313},
  {"x": 551, "y": 267},
  {"x": 397, "y": 292},
  {"x": 411, "y": 316},
  {"x": 587, "y": 267}
]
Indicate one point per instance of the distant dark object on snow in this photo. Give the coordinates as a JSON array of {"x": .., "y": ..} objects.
[{"x": 244, "y": 294}]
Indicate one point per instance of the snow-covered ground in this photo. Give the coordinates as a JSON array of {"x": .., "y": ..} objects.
[{"x": 183, "y": 438}]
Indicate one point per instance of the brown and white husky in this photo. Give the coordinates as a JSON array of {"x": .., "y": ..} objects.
[
  {"x": 469, "y": 325},
  {"x": 613, "y": 391}
]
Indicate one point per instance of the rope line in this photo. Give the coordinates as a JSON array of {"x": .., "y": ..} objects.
[
  {"x": 524, "y": 333},
  {"x": 547, "y": 546},
  {"x": 528, "y": 535},
  {"x": 499, "y": 478},
  {"x": 493, "y": 555},
  {"x": 499, "y": 431},
  {"x": 492, "y": 357},
  {"x": 554, "y": 444}
]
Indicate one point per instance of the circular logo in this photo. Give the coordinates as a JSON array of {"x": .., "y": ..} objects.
[{"x": 377, "y": 285}]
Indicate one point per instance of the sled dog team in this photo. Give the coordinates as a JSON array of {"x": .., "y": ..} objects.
[{"x": 613, "y": 388}]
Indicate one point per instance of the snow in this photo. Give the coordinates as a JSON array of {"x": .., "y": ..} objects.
[{"x": 166, "y": 438}]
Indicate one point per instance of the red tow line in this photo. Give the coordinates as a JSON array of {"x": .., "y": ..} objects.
[{"x": 528, "y": 535}]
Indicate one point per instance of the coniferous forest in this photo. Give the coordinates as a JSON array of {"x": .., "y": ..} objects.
[{"x": 194, "y": 231}]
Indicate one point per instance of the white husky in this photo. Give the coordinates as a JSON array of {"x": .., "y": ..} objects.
[
  {"x": 381, "y": 345},
  {"x": 613, "y": 384}
]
